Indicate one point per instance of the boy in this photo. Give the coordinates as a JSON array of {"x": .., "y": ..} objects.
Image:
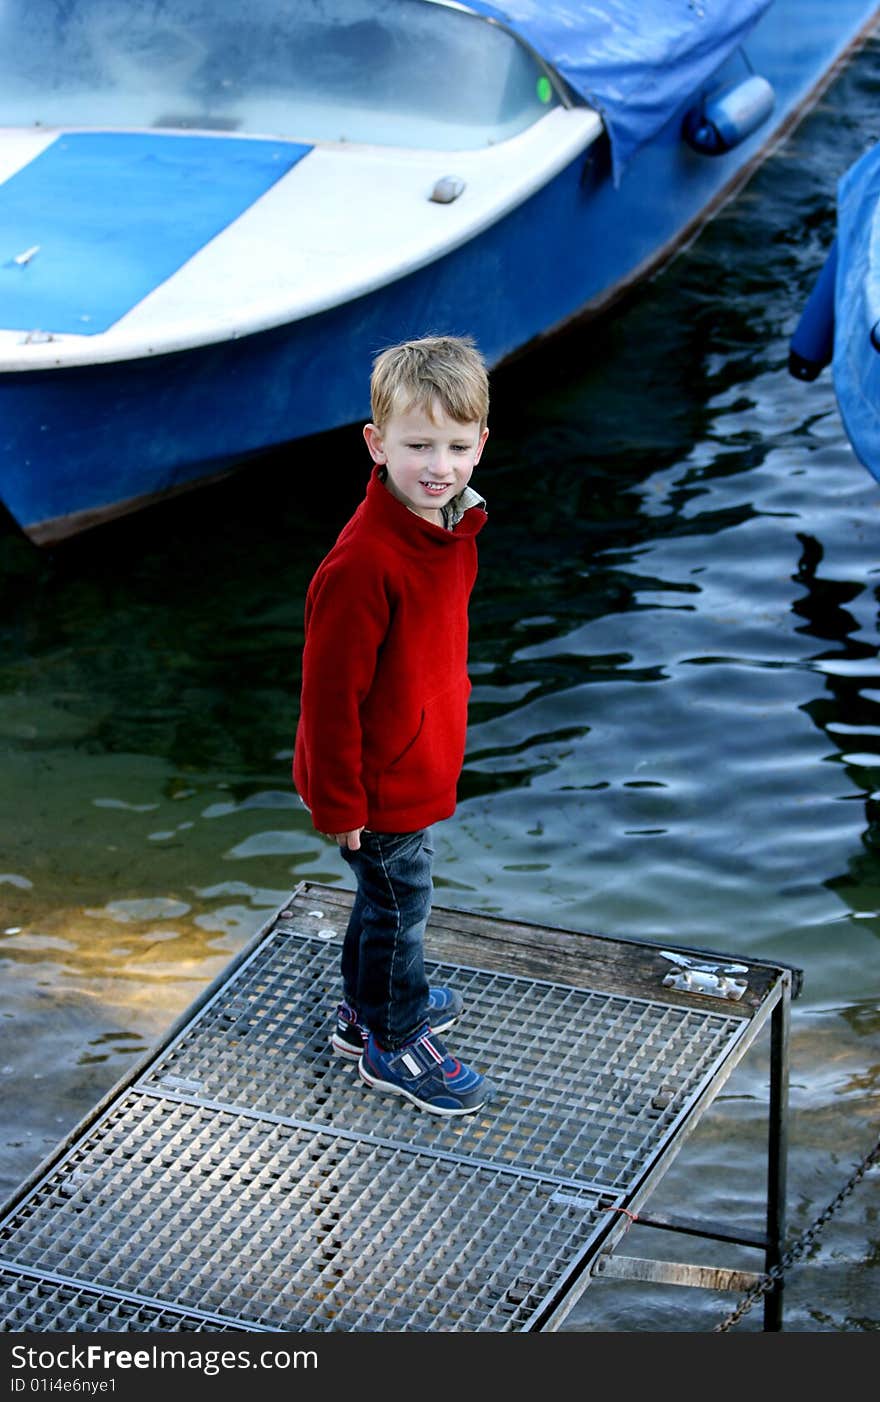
[{"x": 381, "y": 735}]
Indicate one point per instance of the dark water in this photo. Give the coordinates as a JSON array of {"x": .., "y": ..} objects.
[{"x": 675, "y": 730}]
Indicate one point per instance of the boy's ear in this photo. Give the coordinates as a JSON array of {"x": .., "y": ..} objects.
[
  {"x": 481, "y": 445},
  {"x": 373, "y": 440}
]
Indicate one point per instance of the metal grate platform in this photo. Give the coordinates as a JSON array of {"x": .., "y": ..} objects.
[{"x": 243, "y": 1177}]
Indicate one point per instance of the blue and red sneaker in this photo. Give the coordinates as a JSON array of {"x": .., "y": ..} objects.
[
  {"x": 349, "y": 1036},
  {"x": 426, "y": 1074}
]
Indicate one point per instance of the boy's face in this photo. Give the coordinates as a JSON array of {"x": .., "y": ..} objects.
[{"x": 429, "y": 457}]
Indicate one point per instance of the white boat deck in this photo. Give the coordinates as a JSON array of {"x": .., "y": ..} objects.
[{"x": 343, "y": 221}]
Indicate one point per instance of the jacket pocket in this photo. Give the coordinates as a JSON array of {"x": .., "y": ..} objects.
[{"x": 431, "y": 761}]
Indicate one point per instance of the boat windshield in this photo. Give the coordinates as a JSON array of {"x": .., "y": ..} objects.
[{"x": 392, "y": 72}]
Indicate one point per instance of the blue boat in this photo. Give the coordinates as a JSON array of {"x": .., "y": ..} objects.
[
  {"x": 840, "y": 322},
  {"x": 212, "y": 215}
]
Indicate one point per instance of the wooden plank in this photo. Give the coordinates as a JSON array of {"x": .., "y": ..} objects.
[
  {"x": 674, "y": 1273},
  {"x": 584, "y": 960}
]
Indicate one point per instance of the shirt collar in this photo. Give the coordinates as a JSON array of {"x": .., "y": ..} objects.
[{"x": 455, "y": 509}]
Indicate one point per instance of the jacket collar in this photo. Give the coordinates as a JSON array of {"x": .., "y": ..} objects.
[{"x": 469, "y": 517}]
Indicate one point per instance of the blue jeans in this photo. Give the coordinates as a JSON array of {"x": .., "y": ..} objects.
[{"x": 383, "y": 966}]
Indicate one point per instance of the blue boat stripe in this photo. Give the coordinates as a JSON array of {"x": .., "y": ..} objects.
[{"x": 99, "y": 219}]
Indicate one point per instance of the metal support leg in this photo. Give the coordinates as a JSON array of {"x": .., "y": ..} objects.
[{"x": 777, "y": 1152}]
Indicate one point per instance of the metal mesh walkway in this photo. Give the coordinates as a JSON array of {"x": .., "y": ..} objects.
[{"x": 245, "y": 1178}]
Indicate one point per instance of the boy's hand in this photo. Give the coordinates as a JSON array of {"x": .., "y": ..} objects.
[{"x": 351, "y": 840}]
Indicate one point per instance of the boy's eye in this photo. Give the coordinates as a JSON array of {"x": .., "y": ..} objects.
[{"x": 456, "y": 447}]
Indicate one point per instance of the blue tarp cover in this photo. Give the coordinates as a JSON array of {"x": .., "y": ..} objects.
[
  {"x": 856, "y": 362},
  {"x": 634, "y": 60},
  {"x": 113, "y": 214}
]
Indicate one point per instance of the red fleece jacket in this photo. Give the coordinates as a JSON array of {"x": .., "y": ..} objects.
[{"x": 383, "y": 716}]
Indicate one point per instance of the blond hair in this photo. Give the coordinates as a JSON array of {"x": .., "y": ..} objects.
[{"x": 444, "y": 370}]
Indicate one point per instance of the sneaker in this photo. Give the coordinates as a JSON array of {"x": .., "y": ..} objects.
[
  {"x": 426, "y": 1074},
  {"x": 350, "y": 1035}
]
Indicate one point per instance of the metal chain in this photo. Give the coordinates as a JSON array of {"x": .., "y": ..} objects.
[{"x": 799, "y": 1246}]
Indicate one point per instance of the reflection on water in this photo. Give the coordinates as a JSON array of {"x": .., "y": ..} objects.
[{"x": 675, "y": 726}]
